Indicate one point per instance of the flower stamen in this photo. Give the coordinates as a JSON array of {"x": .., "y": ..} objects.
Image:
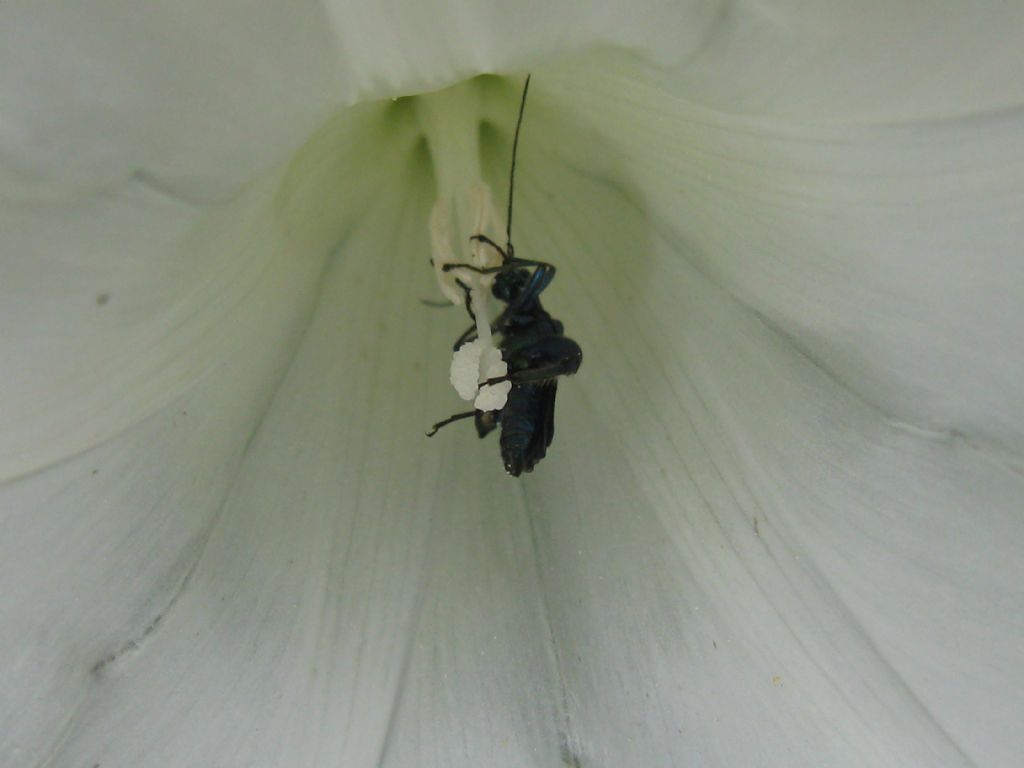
[{"x": 479, "y": 360}]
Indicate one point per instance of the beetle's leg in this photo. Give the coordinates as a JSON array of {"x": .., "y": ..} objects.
[
  {"x": 469, "y": 298},
  {"x": 505, "y": 257},
  {"x": 470, "y": 332},
  {"x": 495, "y": 380},
  {"x": 512, "y": 264},
  {"x": 479, "y": 270},
  {"x": 468, "y": 335},
  {"x": 449, "y": 420}
]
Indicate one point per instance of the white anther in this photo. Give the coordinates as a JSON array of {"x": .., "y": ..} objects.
[
  {"x": 493, "y": 396},
  {"x": 465, "y": 370},
  {"x": 473, "y": 363}
]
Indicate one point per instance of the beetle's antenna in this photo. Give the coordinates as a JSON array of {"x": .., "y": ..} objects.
[{"x": 512, "y": 172}]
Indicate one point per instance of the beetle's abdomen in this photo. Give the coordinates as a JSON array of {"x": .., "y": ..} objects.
[{"x": 527, "y": 426}]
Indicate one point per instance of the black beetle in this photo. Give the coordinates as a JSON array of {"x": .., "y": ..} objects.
[{"x": 533, "y": 345}]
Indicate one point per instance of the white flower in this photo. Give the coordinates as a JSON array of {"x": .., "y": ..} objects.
[{"x": 780, "y": 523}]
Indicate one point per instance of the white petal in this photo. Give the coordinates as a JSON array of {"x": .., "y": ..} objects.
[
  {"x": 195, "y": 97},
  {"x": 710, "y": 485},
  {"x": 132, "y": 297},
  {"x": 100, "y": 341},
  {"x": 96, "y": 549},
  {"x": 192, "y": 97},
  {"x": 397, "y": 47},
  {"x": 872, "y": 61},
  {"x": 726, "y": 558},
  {"x": 332, "y": 561},
  {"x": 171, "y": 379},
  {"x": 887, "y": 252}
]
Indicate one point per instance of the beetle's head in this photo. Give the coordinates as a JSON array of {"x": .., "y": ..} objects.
[{"x": 509, "y": 285}]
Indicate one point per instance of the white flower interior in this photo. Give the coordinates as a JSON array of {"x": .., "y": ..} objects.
[{"x": 783, "y": 523}]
